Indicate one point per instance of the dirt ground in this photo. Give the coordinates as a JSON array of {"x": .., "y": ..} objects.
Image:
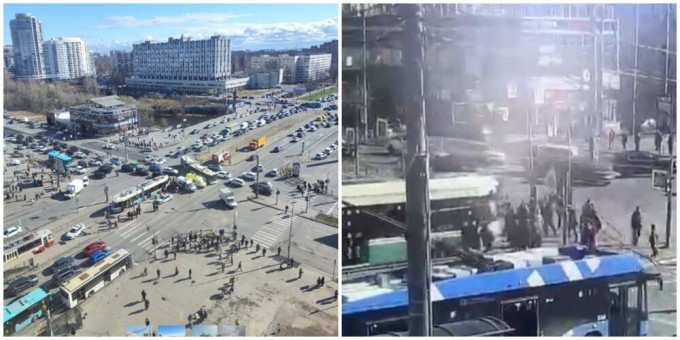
[{"x": 32, "y": 116}]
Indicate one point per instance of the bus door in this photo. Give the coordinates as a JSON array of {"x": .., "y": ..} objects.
[
  {"x": 521, "y": 315},
  {"x": 625, "y": 310}
]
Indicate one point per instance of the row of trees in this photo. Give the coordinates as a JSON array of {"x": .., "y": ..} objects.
[{"x": 40, "y": 96}]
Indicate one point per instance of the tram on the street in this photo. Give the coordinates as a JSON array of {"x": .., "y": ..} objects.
[
  {"x": 190, "y": 165},
  {"x": 458, "y": 204},
  {"x": 568, "y": 291},
  {"x": 32, "y": 243},
  {"x": 154, "y": 186},
  {"x": 95, "y": 278},
  {"x": 26, "y": 310},
  {"x": 126, "y": 199}
]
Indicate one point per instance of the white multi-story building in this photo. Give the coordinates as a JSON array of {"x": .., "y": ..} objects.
[
  {"x": 296, "y": 69},
  {"x": 67, "y": 58},
  {"x": 27, "y": 37},
  {"x": 184, "y": 65},
  {"x": 270, "y": 62},
  {"x": 264, "y": 79},
  {"x": 313, "y": 67}
]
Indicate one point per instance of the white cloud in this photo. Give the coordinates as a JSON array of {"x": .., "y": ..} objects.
[{"x": 184, "y": 19}]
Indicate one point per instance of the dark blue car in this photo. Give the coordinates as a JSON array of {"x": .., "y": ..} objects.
[{"x": 99, "y": 255}]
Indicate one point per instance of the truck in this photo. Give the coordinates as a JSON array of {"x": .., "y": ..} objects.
[
  {"x": 220, "y": 157},
  {"x": 227, "y": 196},
  {"x": 257, "y": 143},
  {"x": 73, "y": 188}
]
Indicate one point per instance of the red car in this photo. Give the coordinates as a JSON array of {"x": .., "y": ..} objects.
[{"x": 94, "y": 247}]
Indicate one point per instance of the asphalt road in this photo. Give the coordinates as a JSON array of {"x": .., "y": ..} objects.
[{"x": 186, "y": 212}]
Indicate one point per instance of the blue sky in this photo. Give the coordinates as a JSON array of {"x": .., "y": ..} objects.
[{"x": 117, "y": 26}]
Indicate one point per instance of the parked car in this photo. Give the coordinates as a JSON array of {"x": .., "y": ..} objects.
[
  {"x": 94, "y": 162},
  {"x": 250, "y": 176},
  {"x": 215, "y": 167},
  {"x": 127, "y": 167},
  {"x": 12, "y": 231},
  {"x": 147, "y": 149},
  {"x": 94, "y": 247},
  {"x": 108, "y": 146},
  {"x": 273, "y": 172},
  {"x": 258, "y": 168},
  {"x": 116, "y": 161},
  {"x": 106, "y": 168},
  {"x": 170, "y": 171},
  {"x": 141, "y": 172},
  {"x": 79, "y": 169},
  {"x": 21, "y": 284},
  {"x": 86, "y": 181},
  {"x": 14, "y": 162},
  {"x": 223, "y": 175},
  {"x": 236, "y": 182},
  {"x": 61, "y": 263},
  {"x": 65, "y": 274},
  {"x": 75, "y": 231}
]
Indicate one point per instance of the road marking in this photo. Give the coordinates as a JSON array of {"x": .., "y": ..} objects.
[
  {"x": 140, "y": 235},
  {"x": 662, "y": 321},
  {"x": 332, "y": 208},
  {"x": 269, "y": 233},
  {"x": 143, "y": 241}
]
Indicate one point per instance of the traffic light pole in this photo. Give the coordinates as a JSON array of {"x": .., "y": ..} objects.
[
  {"x": 257, "y": 177},
  {"x": 669, "y": 202},
  {"x": 417, "y": 174}
]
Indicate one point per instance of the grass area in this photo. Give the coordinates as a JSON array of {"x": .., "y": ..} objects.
[
  {"x": 327, "y": 219},
  {"x": 317, "y": 95}
]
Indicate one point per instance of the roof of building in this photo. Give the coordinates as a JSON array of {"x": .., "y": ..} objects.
[
  {"x": 108, "y": 101},
  {"x": 531, "y": 268}
]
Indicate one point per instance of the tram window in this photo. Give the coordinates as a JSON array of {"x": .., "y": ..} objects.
[{"x": 633, "y": 298}]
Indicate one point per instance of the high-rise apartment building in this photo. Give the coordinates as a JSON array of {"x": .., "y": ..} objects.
[
  {"x": 184, "y": 65},
  {"x": 27, "y": 38},
  {"x": 67, "y": 58},
  {"x": 313, "y": 67},
  {"x": 122, "y": 62},
  {"x": 296, "y": 69},
  {"x": 8, "y": 58}
]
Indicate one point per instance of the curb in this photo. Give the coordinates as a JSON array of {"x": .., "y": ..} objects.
[{"x": 250, "y": 199}]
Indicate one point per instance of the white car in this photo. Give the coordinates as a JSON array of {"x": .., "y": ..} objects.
[
  {"x": 159, "y": 161},
  {"x": 249, "y": 176},
  {"x": 170, "y": 171},
  {"x": 294, "y": 140},
  {"x": 11, "y": 232},
  {"x": 108, "y": 146},
  {"x": 75, "y": 231},
  {"x": 163, "y": 198},
  {"x": 86, "y": 181},
  {"x": 14, "y": 162},
  {"x": 236, "y": 182},
  {"x": 79, "y": 169},
  {"x": 223, "y": 175},
  {"x": 321, "y": 155}
]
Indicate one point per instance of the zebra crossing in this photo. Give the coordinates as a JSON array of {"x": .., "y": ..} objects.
[
  {"x": 137, "y": 233},
  {"x": 268, "y": 235}
]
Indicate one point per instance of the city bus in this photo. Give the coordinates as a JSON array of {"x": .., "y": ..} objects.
[
  {"x": 154, "y": 186},
  {"x": 26, "y": 310},
  {"x": 459, "y": 204},
  {"x": 128, "y": 198},
  {"x": 568, "y": 291},
  {"x": 191, "y": 165},
  {"x": 33, "y": 243},
  {"x": 95, "y": 278}
]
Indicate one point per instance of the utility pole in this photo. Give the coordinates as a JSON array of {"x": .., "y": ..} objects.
[
  {"x": 567, "y": 187},
  {"x": 635, "y": 71},
  {"x": 669, "y": 202},
  {"x": 417, "y": 175},
  {"x": 290, "y": 229},
  {"x": 364, "y": 78},
  {"x": 530, "y": 133},
  {"x": 596, "y": 109}
]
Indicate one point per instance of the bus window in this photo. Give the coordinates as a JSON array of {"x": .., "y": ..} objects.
[{"x": 633, "y": 311}]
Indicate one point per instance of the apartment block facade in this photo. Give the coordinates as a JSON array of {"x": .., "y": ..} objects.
[
  {"x": 67, "y": 58},
  {"x": 27, "y": 38}
]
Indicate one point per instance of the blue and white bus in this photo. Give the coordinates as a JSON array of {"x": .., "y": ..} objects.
[
  {"x": 23, "y": 312},
  {"x": 537, "y": 292}
]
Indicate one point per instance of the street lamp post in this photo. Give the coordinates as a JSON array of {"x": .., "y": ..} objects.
[
  {"x": 290, "y": 230},
  {"x": 257, "y": 177}
]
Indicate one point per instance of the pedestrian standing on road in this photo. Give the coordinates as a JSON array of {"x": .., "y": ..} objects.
[
  {"x": 286, "y": 210},
  {"x": 300, "y": 273},
  {"x": 223, "y": 265},
  {"x": 251, "y": 242},
  {"x": 257, "y": 248},
  {"x": 278, "y": 251},
  {"x": 239, "y": 266},
  {"x": 174, "y": 254},
  {"x": 189, "y": 273},
  {"x": 264, "y": 252},
  {"x": 323, "y": 280},
  {"x": 143, "y": 295},
  {"x": 636, "y": 225},
  {"x": 637, "y": 141},
  {"x": 166, "y": 253},
  {"x": 653, "y": 238},
  {"x": 147, "y": 322},
  {"x": 624, "y": 139},
  {"x": 146, "y": 304},
  {"x": 158, "y": 273}
]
